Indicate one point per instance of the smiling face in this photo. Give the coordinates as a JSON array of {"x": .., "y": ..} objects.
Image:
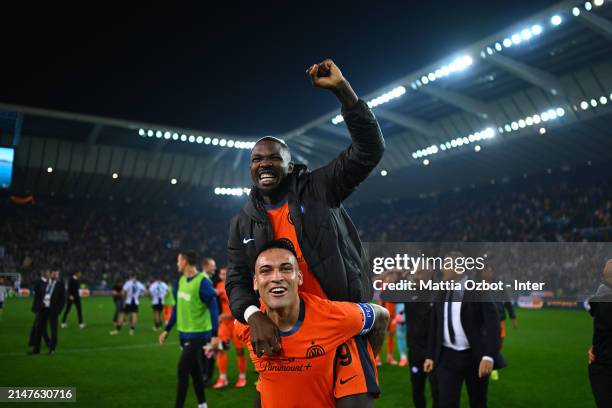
[
  {"x": 277, "y": 278},
  {"x": 270, "y": 164}
]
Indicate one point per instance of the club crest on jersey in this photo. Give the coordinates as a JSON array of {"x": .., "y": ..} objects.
[{"x": 315, "y": 350}]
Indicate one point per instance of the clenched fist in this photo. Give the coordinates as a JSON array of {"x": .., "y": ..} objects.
[{"x": 327, "y": 75}]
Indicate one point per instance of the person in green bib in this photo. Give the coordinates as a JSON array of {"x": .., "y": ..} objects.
[{"x": 195, "y": 313}]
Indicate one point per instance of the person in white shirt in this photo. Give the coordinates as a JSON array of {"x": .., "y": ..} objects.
[
  {"x": 158, "y": 290},
  {"x": 464, "y": 342},
  {"x": 133, "y": 289},
  {"x": 3, "y": 291}
]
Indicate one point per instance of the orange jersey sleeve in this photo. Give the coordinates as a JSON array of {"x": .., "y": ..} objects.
[{"x": 223, "y": 299}]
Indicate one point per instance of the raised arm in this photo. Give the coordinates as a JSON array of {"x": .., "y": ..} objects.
[{"x": 343, "y": 174}]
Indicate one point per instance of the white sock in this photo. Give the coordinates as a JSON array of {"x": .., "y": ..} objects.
[
  {"x": 204, "y": 405},
  {"x": 242, "y": 376},
  {"x": 223, "y": 377}
]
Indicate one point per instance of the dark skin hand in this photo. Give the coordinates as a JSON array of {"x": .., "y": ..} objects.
[{"x": 264, "y": 335}]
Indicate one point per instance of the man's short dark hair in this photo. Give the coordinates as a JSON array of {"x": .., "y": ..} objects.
[
  {"x": 275, "y": 140},
  {"x": 206, "y": 260},
  {"x": 190, "y": 256},
  {"x": 282, "y": 243}
]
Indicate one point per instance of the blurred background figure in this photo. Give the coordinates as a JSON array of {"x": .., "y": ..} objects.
[
  {"x": 158, "y": 291},
  {"x": 600, "y": 353},
  {"x": 53, "y": 300},
  {"x": 74, "y": 297}
]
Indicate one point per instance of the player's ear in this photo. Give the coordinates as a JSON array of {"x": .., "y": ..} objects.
[
  {"x": 255, "y": 283},
  {"x": 290, "y": 168},
  {"x": 300, "y": 277}
]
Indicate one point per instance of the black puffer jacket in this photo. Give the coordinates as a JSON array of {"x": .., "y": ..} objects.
[{"x": 327, "y": 237}]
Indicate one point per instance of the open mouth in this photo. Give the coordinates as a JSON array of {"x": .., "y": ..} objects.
[
  {"x": 278, "y": 291},
  {"x": 267, "y": 177}
]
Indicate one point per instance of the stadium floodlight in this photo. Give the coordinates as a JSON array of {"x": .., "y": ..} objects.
[
  {"x": 183, "y": 138},
  {"x": 588, "y": 6},
  {"x": 526, "y": 34},
  {"x": 175, "y": 136},
  {"x": 508, "y": 128},
  {"x": 514, "y": 126},
  {"x": 536, "y": 118},
  {"x": 593, "y": 102},
  {"x": 489, "y": 51},
  {"x": 191, "y": 139},
  {"x": 222, "y": 142},
  {"x": 414, "y": 155},
  {"x": 158, "y": 134},
  {"x": 431, "y": 76},
  {"x": 141, "y": 132},
  {"x": 603, "y": 100},
  {"x": 230, "y": 143},
  {"x": 498, "y": 46},
  {"x": 507, "y": 42},
  {"x": 49, "y": 169},
  {"x": 426, "y": 162},
  {"x": 560, "y": 112},
  {"x": 542, "y": 130},
  {"x": 215, "y": 141},
  {"x": 442, "y": 147},
  {"x": 544, "y": 116},
  {"x": 337, "y": 119},
  {"x": 199, "y": 139},
  {"x": 529, "y": 121},
  {"x": 207, "y": 140},
  {"x": 424, "y": 80},
  {"x": 383, "y": 173},
  {"x": 576, "y": 11},
  {"x": 536, "y": 29},
  {"x": 173, "y": 181},
  {"x": 115, "y": 176},
  {"x": 150, "y": 133},
  {"x": 217, "y": 191},
  {"x": 598, "y": 2},
  {"x": 556, "y": 20},
  {"x": 477, "y": 148},
  {"x": 522, "y": 123},
  {"x": 584, "y": 105},
  {"x": 516, "y": 39}
]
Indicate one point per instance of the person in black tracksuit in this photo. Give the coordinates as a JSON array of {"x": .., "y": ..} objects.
[
  {"x": 328, "y": 240},
  {"x": 74, "y": 297},
  {"x": 118, "y": 300},
  {"x": 600, "y": 353},
  {"x": 417, "y": 313}
]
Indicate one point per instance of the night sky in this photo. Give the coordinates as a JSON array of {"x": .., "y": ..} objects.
[{"x": 236, "y": 68}]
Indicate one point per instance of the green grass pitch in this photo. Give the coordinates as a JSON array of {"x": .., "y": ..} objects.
[{"x": 546, "y": 355}]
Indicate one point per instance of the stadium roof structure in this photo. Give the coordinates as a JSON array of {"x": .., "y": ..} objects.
[{"x": 532, "y": 98}]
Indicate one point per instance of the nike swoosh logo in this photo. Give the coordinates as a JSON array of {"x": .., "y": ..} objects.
[
  {"x": 347, "y": 380},
  {"x": 246, "y": 241}
]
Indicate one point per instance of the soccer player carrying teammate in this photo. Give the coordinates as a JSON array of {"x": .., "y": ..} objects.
[
  {"x": 196, "y": 316},
  {"x": 313, "y": 333},
  {"x": 158, "y": 290},
  {"x": 288, "y": 201},
  {"x": 226, "y": 334},
  {"x": 132, "y": 289}
]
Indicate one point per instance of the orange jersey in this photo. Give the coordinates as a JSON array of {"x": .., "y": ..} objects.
[
  {"x": 223, "y": 299},
  {"x": 283, "y": 227},
  {"x": 302, "y": 375},
  {"x": 390, "y": 306}
]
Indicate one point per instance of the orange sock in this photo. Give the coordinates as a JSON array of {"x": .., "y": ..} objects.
[
  {"x": 241, "y": 364},
  {"x": 222, "y": 362},
  {"x": 390, "y": 343}
]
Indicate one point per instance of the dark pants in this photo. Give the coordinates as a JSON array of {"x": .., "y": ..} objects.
[
  {"x": 77, "y": 304},
  {"x": 118, "y": 308},
  {"x": 33, "y": 331},
  {"x": 46, "y": 316},
  {"x": 418, "y": 379},
  {"x": 601, "y": 381},
  {"x": 191, "y": 363},
  {"x": 454, "y": 368}
]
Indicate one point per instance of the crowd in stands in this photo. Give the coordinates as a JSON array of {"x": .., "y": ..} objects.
[{"x": 108, "y": 240}]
